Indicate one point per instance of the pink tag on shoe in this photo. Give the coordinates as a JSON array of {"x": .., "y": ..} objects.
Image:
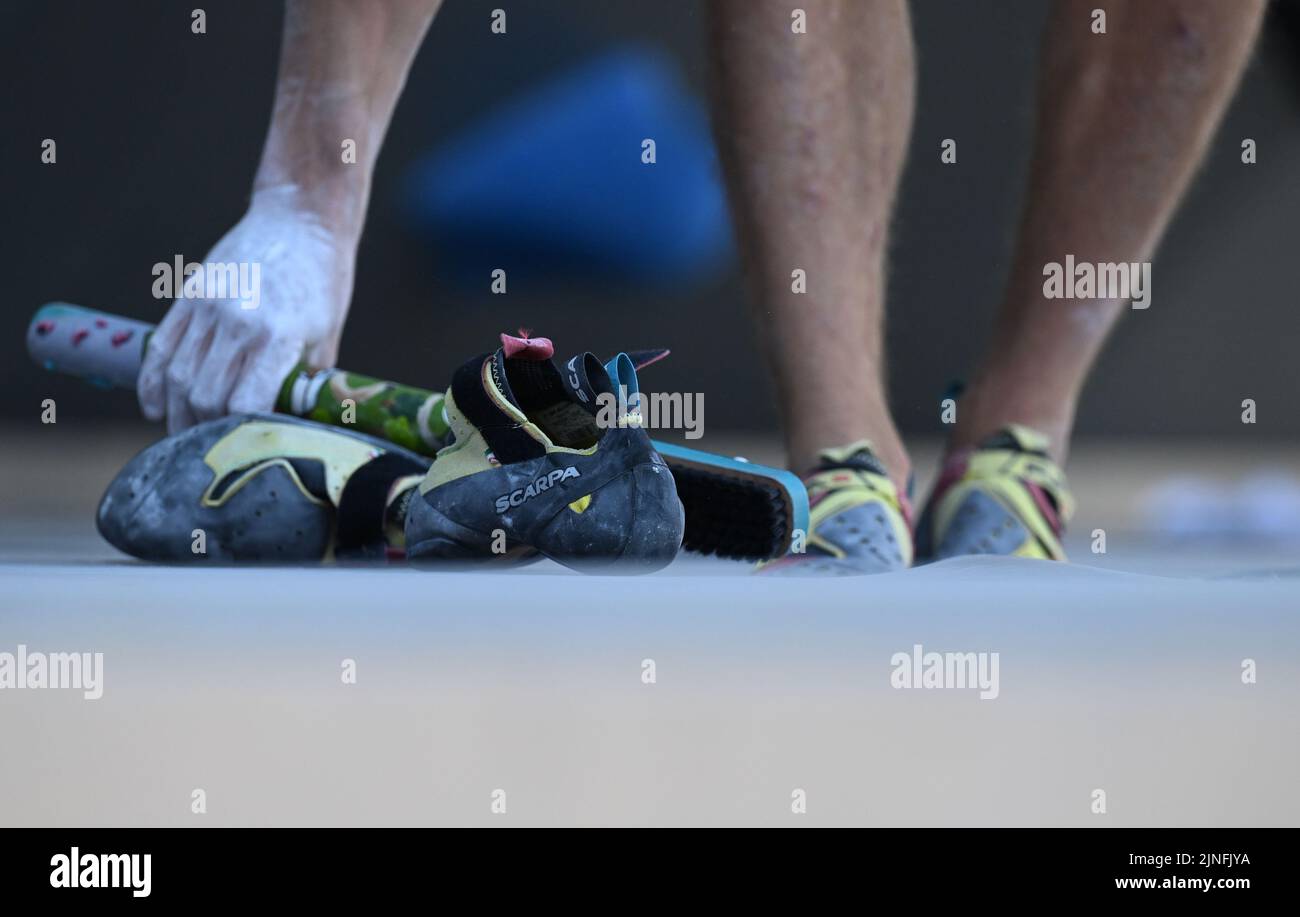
[{"x": 527, "y": 348}]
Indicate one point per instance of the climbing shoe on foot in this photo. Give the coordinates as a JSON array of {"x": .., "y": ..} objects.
[
  {"x": 1005, "y": 496},
  {"x": 860, "y": 523}
]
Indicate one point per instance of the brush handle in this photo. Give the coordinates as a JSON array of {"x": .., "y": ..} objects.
[
  {"x": 105, "y": 350},
  {"x": 108, "y": 350}
]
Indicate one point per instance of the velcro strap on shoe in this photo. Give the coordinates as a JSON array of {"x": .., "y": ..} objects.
[{"x": 359, "y": 528}]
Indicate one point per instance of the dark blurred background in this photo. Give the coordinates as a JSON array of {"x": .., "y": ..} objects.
[{"x": 159, "y": 132}]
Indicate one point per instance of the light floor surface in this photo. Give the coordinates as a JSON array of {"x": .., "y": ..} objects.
[{"x": 1121, "y": 673}]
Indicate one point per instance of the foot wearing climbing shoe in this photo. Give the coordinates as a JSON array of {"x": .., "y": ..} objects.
[
  {"x": 261, "y": 488},
  {"x": 1005, "y": 496},
  {"x": 859, "y": 523},
  {"x": 537, "y": 466}
]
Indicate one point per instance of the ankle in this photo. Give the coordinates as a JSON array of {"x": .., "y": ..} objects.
[
  {"x": 985, "y": 409},
  {"x": 805, "y": 458},
  {"x": 898, "y": 466}
]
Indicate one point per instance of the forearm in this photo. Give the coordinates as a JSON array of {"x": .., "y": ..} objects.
[{"x": 342, "y": 67}]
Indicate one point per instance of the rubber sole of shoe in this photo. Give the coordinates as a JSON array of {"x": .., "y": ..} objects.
[{"x": 167, "y": 504}]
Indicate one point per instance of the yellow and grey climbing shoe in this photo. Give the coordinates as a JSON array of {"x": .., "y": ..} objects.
[
  {"x": 1005, "y": 496},
  {"x": 859, "y": 521}
]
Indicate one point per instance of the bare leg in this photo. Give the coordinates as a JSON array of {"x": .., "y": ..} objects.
[
  {"x": 1124, "y": 119},
  {"x": 813, "y": 128}
]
